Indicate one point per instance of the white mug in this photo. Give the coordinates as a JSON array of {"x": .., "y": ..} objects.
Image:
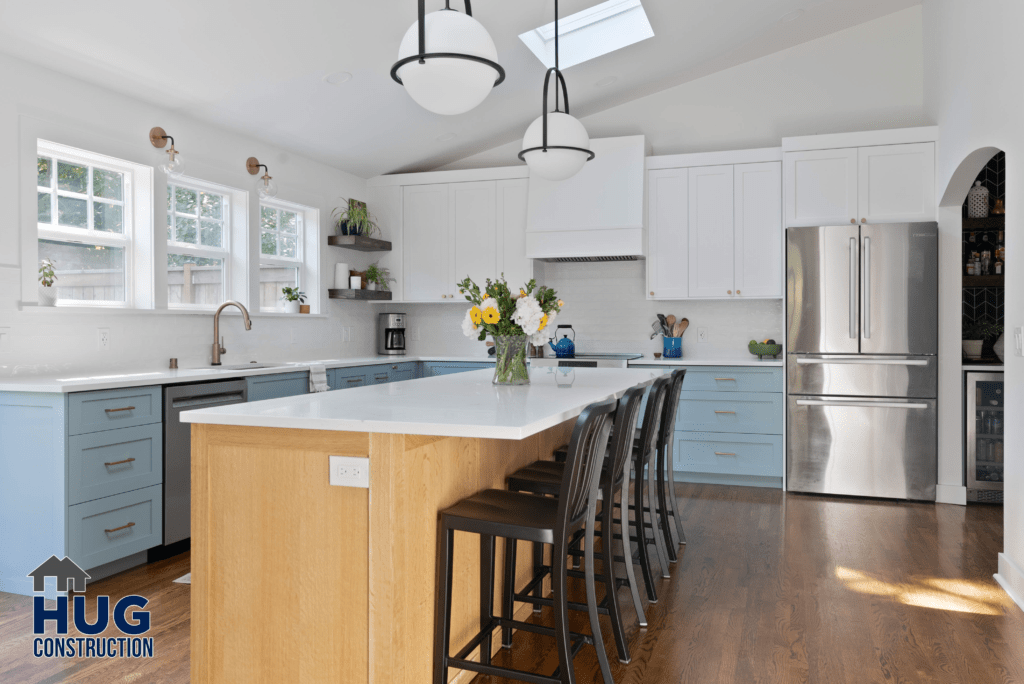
[
  {"x": 356, "y": 282},
  {"x": 341, "y": 276}
]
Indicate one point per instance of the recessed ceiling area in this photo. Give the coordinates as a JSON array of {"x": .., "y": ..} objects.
[{"x": 279, "y": 71}]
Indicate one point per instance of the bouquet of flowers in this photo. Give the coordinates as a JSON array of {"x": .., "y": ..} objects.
[{"x": 512, "y": 319}]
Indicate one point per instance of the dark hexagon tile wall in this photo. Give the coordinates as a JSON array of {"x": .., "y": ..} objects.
[{"x": 986, "y": 301}]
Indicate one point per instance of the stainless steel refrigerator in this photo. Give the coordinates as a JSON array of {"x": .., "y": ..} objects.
[{"x": 862, "y": 365}]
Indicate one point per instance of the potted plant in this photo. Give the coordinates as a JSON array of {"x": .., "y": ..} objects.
[
  {"x": 47, "y": 277},
  {"x": 354, "y": 219},
  {"x": 976, "y": 333},
  {"x": 378, "y": 276},
  {"x": 293, "y": 297}
]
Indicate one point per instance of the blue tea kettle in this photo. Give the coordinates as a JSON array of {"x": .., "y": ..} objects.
[{"x": 565, "y": 348}]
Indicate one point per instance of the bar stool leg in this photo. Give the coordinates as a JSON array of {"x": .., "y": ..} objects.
[
  {"x": 443, "y": 609},
  {"x": 560, "y": 595},
  {"x": 641, "y": 532},
  {"x": 595, "y": 623},
  {"x": 611, "y": 586},
  {"x": 656, "y": 531},
  {"x": 627, "y": 555},
  {"x": 538, "y": 563},
  {"x": 668, "y": 530},
  {"x": 487, "y": 546},
  {"x": 507, "y": 590},
  {"x": 680, "y": 535}
]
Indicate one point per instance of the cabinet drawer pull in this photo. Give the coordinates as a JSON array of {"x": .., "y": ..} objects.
[
  {"x": 114, "y": 463},
  {"x": 380, "y": 377},
  {"x": 724, "y": 379},
  {"x": 126, "y": 408},
  {"x": 394, "y": 368},
  {"x": 122, "y": 527},
  {"x": 724, "y": 453},
  {"x": 733, "y": 412},
  {"x": 351, "y": 380}
]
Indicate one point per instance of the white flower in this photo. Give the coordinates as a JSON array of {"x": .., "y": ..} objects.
[
  {"x": 468, "y": 328},
  {"x": 541, "y": 336},
  {"x": 528, "y": 315},
  {"x": 489, "y": 303}
]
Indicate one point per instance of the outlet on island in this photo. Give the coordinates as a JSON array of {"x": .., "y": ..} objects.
[{"x": 350, "y": 471}]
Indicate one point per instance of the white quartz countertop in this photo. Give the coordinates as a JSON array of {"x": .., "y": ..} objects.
[
  {"x": 457, "y": 405},
  {"x": 747, "y": 360},
  {"x": 81, "y": 381}
]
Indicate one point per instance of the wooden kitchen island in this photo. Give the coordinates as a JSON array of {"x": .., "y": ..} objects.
[{"x": 296, "y": 580}]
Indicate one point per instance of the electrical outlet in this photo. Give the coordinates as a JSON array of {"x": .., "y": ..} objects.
[
  {"x": 103, "y": 338},
  {"x": 348, "y": 333},
  {"x": 350, "y": 471},
  {"x": 5, "y": 339},
  {"x": 702, "y": 335},
  {"x": 415, "y": 336}
]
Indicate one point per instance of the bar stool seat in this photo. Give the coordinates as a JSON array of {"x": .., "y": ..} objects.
[{"x": 501, "y": 513}]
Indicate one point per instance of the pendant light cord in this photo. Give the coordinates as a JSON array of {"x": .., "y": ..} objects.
[{"x": 556, "y": 55}]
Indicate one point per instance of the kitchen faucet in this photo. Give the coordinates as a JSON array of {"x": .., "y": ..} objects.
[{"x": 218, "y": 347}]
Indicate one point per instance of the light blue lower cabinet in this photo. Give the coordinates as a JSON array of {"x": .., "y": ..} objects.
[
  {"x": 378, "y": 375},
  {"x": 434, "y": 368},
  {"x": 108, "y": 529},
  {"x": 114, "y": 461},
  {"x": 731, "y": 455},
  {"x": 746, "y": 412},
  {"x": 343, "y": 378},
  {"x": 275, "y": 386}
]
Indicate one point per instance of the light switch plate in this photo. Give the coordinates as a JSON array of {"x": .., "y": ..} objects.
[
  {"x": 103, "y": 338},
  {"x": 350, "y": 471},
  {"x": 702, "y": 334}
]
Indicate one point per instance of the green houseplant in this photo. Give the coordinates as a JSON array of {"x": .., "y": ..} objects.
[
  {"x": 975, "y": 333},
  {"x": 354, "y": 219},
  {"x": 378, "y": 277},
  {"x": 47, "y": 277},
  {"x": 293, "y": 297}
]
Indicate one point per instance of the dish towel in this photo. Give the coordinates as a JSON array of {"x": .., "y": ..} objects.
[{"x": 318, "y": 378}]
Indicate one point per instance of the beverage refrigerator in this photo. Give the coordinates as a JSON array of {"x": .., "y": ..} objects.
[{"x": 984, "y": 428}]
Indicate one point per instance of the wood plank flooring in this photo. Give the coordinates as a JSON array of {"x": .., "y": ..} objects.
[{"x": 771, "y": 588}]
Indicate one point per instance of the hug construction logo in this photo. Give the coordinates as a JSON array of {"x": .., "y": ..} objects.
[{"x": 131, "y": 623}]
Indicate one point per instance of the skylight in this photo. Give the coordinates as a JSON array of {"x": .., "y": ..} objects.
[{"x": 596, "y": 31}]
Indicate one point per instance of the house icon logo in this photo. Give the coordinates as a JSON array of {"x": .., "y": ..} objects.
[{"x": 69, "y": 576}]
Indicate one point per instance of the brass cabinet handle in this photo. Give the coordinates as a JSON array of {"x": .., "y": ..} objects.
[
  {"x": 114, "y": 463},
  {"x": 126, "y": 408},
  {"x": 721, "y": 379},
  {"x": 652, "y": 293},
  {"x": 122, "y": 527},
  {"x": 737, "y": 291},
  {"x": 863, "y": 220},
  {"x": 350, "y": 380},
  {"x": 724, "y": 453},
  {"x": 725, "y": 412},
  {"x": 380, "y": 377},
  {"x": 729, "y": 291},
  {"x": 394, "y": 368},
  {"x": 853, "y": 220}
]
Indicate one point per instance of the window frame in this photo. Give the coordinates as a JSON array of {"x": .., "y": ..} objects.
[
  {"x": 305, "y": 272},
  {"x": 224, "y": 253}
]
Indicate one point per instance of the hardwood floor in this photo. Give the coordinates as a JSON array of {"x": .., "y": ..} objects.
[{"x": 770, "y": 588}]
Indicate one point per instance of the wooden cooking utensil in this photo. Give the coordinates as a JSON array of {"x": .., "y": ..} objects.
[
  {"x": 681, "y": 327},
  {"x": 670, "y": 320}
]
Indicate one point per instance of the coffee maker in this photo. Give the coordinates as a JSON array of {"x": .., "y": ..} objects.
[{"x": 391, "y": 334}]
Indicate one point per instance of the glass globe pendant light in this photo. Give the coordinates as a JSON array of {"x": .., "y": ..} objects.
[
  {"x": 556, "y": 145},
  {"x": 447, "y": 61},
  {"x": 172, "y": 166},
  {"x": 266, "y": 188}
]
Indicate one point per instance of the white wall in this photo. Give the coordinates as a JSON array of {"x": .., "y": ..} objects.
[
  {"x": 606, "y": 305},
  {"x": 34, "y": 341},
  {"x": 864, "y": 78},
  {"x": 973, "y": 89}
]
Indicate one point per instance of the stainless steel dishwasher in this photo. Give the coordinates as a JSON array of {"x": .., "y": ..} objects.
[{"x": 178, "y": 452}]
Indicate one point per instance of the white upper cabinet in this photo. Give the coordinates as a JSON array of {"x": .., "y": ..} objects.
[
  {"x": 758, "y": 229},
  {"x": 667, "y": 235},
  {"x": 711, "y": 232},
  {"x": 897, "y": 183},
  {"x": 821, "y": 187},
  {"x": 425, "y": 230},
  {"x": 474, "y": 249},
  {"x": 512, "y": 200}
]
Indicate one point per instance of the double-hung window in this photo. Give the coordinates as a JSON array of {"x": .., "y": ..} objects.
[
  {"x": 281, "y": 251},
  {"x": 198, "y": 244},
  {"x": 85, "y": 224}
]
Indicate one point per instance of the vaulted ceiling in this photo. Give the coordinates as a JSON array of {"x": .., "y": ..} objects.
[{"x": 258, "y": 67}]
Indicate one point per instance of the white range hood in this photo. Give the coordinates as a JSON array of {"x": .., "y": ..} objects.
[{"x": 598, "y": 214}]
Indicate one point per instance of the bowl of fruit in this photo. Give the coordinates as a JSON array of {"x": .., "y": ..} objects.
[{"x": 766, "y": 348}]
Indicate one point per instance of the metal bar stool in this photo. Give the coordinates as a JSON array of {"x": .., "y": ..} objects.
[
  {"x": 513, "y": 515},
  {"x": 544, "y": 477},
  {"x": 666, "y": 466}
]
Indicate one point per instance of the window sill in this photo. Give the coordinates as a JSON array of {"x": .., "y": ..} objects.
[{"x": 123, "y": 311}]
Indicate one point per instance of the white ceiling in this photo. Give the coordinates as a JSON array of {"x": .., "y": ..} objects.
[{"x": 257, "y": 67}]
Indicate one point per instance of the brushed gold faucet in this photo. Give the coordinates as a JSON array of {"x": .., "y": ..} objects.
[{"x": 218, "y": 346}]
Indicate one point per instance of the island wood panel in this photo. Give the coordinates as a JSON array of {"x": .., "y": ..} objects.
[
  {"x": 279, "y": 560},
  {"x": 411, "y": 479}
]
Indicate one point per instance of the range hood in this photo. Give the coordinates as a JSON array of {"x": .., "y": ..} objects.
[{"x": 598, "y": 214}]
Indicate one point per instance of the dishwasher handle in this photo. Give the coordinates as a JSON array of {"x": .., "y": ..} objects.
[
  {"x": 237, "y": 397},
  {"x": 862, "y": 361},
  {"x": 861, "y": 404}
]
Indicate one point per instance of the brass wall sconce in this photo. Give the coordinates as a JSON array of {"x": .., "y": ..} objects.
[
  {"x": 173, "y": 166},
  {"x": 268, "y": 188}
]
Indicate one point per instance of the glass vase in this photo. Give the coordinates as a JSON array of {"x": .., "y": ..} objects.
[{"x": 510, "y": 360}]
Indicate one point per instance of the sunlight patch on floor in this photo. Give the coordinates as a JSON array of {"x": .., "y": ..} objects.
[{"x": 962, "y": 596}]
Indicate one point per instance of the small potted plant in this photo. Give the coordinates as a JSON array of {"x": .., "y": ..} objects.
[
  {"x": 354, "y": 219},
  {"x": 293, "y": 297},
  {"x": 976, "y": 333},
  {"x": 378, "y": 277},
  {"x": 47, "y": 277}
]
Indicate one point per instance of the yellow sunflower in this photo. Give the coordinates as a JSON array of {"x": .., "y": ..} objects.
[
  {"x": 543, "y": 322},
  {"x": 486, "y": 295},
  {"x": 522, "y": 292},
  {"x": 475, "y": 315},
  {"x": 491, "y": 315}
]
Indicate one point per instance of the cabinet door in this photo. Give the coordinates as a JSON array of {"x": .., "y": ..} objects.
[
  {"x": 897, "y": 183},
  {"x": 821, "y": 187},
  {"x": 513, "y": 196},
  {"x": 472, "y": 215},
  {"x": 758, "y": 229},
  {"x": 667, "y": 238},
  {"x": 711, "y": 232},
  {"x": 426, "y": 243}
]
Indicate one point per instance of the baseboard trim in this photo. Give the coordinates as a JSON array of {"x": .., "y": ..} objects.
[
  {"x": 724, "y": 479},
  {"x": 951, "y": 494},
  {"x": 1011, "y": 579}
]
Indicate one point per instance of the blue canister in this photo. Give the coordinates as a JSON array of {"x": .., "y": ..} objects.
[{"x": 673, "y": 347}]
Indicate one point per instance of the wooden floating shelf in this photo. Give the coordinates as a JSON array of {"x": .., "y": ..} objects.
[
  {"x": 993, "y": 222},
  {"x": 984, "y": 281},
  {"x": 360, "y": 295},
  {"x": 360, "y": 243}
]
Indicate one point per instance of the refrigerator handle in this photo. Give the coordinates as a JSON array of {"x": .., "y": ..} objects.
[
  {"x": 853, "y": 288},
  {"x": 865, "y": 281},
  {"x": 860, "y": 404}
]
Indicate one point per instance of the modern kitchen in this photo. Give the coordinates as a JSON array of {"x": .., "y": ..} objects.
[{"x": 309, "y": 315}]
